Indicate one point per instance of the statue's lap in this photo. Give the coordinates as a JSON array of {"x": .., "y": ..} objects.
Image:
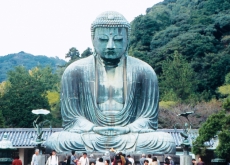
[{"x": 157, "y": 142}]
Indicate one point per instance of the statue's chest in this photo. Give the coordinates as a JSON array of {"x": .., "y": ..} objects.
[{"x": 110, "y": 86}]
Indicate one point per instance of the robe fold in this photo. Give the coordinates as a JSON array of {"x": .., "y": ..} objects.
[
  {"x": 78, "y": 97},
  {"x": 80, "y": 111}
]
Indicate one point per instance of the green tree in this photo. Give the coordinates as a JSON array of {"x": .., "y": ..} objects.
[
  {"x": 216, "y": 125},
  {"x": 73, "y": 54},
  {"x": 224, "y": 91},
  {"x": 4, "y": 86},
  {"x": 51, "y": 84},
  {"x": 2, "y": 120},
  {"x": 24, "y": 94},
  {"x": 55, "y": 107},
  {"x": 177, "y": 80},
  {"x": 86, "y": 53},
  {"x": 46, "y": 77},
  {"x": 227, "y": 79}
]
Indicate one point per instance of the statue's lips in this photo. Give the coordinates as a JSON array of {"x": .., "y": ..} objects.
[
  {"x": 110, "y": 53},
  {"x": 113, "y": 61}
]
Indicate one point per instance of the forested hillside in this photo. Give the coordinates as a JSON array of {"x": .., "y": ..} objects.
[
  {"x": 29, "y": 61},
  {"x": 195, "y": 32},
  {"x": 185, "y": 41}
]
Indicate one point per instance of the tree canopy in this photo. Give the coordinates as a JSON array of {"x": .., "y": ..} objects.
[
  {"x": 198, "y": 30},
  {"x": 177, "y": 79},
  {"x": 217, "y": 125},
  {"x": 27, "y": 91}
]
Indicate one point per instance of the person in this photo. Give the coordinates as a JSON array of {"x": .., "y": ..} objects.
[
  {"x": 17, "y": 161},
  {"x": 92, "y": 159},
  {"x": 106, "y": 156},
  {"x": 146, "y": 162},
  {"x": 194, "y": 162},
  {"x": 167, "y": 162},
  {"x": 149, "y": 158},
  {"x": 142, "y": 159},
  {"x": 77, "y": 160},
  {"x": 170, "y": 160},
  {"x": 97, "y": 161},
  {"x": 100, "y": 162},
  {"x": 112, "y": 153},
  {"x": 35, "y": 157},
  {"x": 154, "y": 161},
  {"x": 112, "y": 160},
  {"x": 47, "y": 161},
  {"x": 122, "y": 158},
  {"x": 126, "y": 159},
  {"x": 68, "y": 160},
  {"x": 64, "y": 162},
  {"x": 107, "y": 162},
  {"x": 158, "y": 161},
  {"x": 200, "y": 162},
  {"x": 53, "y": 159},
  {"x": 119, "y": 162},
  {"x": 130, "y": 159},
  {"x": 73, "y": 158},
  {"x": 117, "y": 159},
  {"x": 84, "y": 160}
]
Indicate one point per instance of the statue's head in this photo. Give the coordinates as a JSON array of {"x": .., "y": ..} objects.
[{"x": 110, "y": 35}]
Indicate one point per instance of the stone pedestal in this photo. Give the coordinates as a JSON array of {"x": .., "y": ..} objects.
[
  {"x": 185, "y": 160},
  {"x": 41, "y": 159}
]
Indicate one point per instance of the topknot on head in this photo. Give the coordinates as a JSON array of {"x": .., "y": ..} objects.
[{"x": 110, "y": 19}]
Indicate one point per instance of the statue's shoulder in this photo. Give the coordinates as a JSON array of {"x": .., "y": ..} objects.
[
  {"x": 80, "y": 64},
  {"x": 137, "y": 63},
  {"x": 141, "y": 68}
]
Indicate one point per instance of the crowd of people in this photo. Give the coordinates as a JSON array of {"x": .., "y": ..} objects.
[
  {"x": 109, "y": 158},
  {"x": 152, "y": 160},
  {"x": 113, "y": 158}
]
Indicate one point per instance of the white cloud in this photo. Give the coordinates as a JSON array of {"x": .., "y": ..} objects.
[{"x": 51, "y": 27}]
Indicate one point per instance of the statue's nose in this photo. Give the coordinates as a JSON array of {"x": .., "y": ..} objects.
[{"x": 110, "y": 44}]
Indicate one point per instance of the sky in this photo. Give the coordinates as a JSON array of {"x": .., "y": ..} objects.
[{"x": 52, "y": 27}]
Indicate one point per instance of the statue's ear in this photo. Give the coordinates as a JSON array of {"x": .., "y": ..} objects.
[{"x": 92, "y": 39}]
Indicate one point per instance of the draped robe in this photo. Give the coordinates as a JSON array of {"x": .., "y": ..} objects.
[
  {"x": 80, "y": 111},
  {"x": 78, "y": 98}
]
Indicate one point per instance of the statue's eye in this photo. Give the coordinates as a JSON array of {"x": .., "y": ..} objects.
[
  {"x": 103, "y": 37},
  {"x": 118, "y": 38}
]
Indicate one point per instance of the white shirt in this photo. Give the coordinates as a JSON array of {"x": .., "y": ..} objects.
[
  {"x": 100, "y": 163},
  {"x": 84, "y": 161},
  {"x": 150, "y": 160},
  {"x": 34, "y": 159},
  {"x": 131, "y": 160},
  {"x": 52, "y": 160}
]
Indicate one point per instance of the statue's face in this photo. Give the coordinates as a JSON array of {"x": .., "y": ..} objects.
[{"x": 110, "y": 43}]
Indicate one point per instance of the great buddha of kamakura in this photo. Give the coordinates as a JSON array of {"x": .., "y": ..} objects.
[{"x": 110, "y": 99}]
